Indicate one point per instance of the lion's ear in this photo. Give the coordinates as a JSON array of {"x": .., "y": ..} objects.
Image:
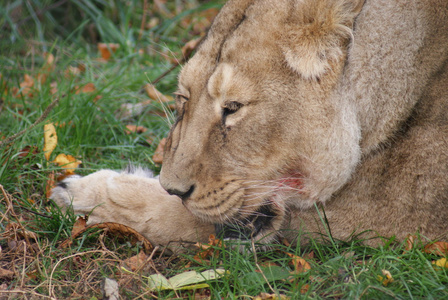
[{"x": 317, "y": 34}]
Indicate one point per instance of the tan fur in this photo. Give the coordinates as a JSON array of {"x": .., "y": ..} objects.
[
  {"x": 135, "y": 200},
  {"x": 338, "y": 103}
]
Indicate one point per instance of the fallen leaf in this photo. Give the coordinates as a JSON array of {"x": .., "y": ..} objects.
[
  {"x": 67, "y": 162},
  {"x": 88, "y": 88},
  {"x": 72, "y": 71},
  {"x": 110, "y": 289},
  {"x": 129, "y": 110},
  {"x": 137, "y": 261},
  {"x": 154, "y": 94},
  {"x": 25, "y": 87},
  {"x": 208, "y": 250},
  {"x": 80, "y": 225},
  {"x": 17, "y": 230},
  {"x": 106, "y": 49},
  {"x": 387, "y": 279},
  {"x": 438, "y": 248},
  {"x": 47, "y": 68},
  {"x": 50, "y": 184},
  {"x": 441, "y": 263},
  {"x": 6, "y": 274},
  {"x": 54, "y": 88},
  {"x": 117, "y": 230},
  {"x": 50, "y": 140},
  {"x": 410, "y": 240},
  {"x": 304, "y": 289},
  {"x": 135, "y": 129},
  {"x": 266, "y": 296},
  {"x": 300, "y": 265},
  {"x": 158, "y": 154},
  {"x": 27, "y": 150},
  {"x": 190, "y": 280}
]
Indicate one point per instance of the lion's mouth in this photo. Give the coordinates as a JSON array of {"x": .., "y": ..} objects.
[{"x": 249, "y": 227}]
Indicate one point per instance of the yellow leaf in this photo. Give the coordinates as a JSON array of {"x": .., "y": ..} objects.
[
  {"x": 442, "y": 263},
  {"x": 50, "y": 139},
  {"x": 387, "y": 279},
  {"x": 68, "y": 162}
]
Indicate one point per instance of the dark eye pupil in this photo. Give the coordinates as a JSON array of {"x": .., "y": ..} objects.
[{"x": 231, "y": 108}]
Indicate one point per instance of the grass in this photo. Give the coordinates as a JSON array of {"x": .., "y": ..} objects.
[{"x": 90, "y": 127}]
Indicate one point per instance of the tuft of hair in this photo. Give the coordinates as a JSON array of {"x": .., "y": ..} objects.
[{"x": 138, "y": 171}]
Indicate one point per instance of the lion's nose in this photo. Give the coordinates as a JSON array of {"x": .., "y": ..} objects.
[{"x": 184, "y": 195}]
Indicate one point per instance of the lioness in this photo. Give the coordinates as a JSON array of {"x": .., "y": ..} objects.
[{"x": 288, "y": 106}]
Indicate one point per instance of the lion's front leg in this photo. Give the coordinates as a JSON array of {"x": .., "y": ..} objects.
[{"x": 133, "y": 199}]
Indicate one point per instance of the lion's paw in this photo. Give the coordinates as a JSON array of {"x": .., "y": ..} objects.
[{"x": 132, "y": 198}]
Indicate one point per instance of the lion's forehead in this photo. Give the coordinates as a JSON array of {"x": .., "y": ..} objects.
[{"x": 243, "y": 52}]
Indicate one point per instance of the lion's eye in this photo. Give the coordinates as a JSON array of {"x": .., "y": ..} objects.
[
  {"x": 181, "y": 97},
  {"x": 231, "y": 108}
]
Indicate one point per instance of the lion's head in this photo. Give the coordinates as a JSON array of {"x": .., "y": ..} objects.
[{"x": 260, "y": 126}]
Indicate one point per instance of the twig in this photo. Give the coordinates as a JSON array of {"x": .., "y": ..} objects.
[
  {"x": 50, "y": 286},
  {"x": 25, "y": 293},
  {"x": 10, "y": 208},
  {"x": 24, "y": 265},
  {"x": 259, "y": 268},
  {"x": 44, "y": 115},
  {"x": 35, "y": 212},
  {"x": 142, "y": 25}
]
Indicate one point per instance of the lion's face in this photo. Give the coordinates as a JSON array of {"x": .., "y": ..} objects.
[{"x": 260, "y": 126}]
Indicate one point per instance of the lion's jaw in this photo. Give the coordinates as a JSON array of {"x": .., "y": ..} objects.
[{"x": 257, "y": 131}]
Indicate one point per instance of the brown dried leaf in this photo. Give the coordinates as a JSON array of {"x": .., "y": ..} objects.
[
  {"x": 26, "y": 87},
  {"x": 115, "y": 229},
  {"x": 50, "y": 140},
  {"x": 79, "y": 226},
  {"x": 207, "y": 250},
  {"x": 300, "y": 265},
  {"x": 72, "y": 71},
  {"x": 410, "y": 240},
  {"x": 54, "y": 88},
  {"x": 135, "y": 129},
  {"x": 17, "y": 230},
  {"x": 158, "y": 154},
  {"x": 88, "y": 88},
  {"x": 6, "y": 274},
  {"x": 47, "y": 68},
  {"x": 106, "y": 49},
  {"x": 68, "y": 163},
  {"x": 27, "y": 150},
  {"x": 438, "y": 248},
  {"x": 50, "y": 184},
  {"x": 154, "y": 94},
  {"x": 137, "y": 261}
]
